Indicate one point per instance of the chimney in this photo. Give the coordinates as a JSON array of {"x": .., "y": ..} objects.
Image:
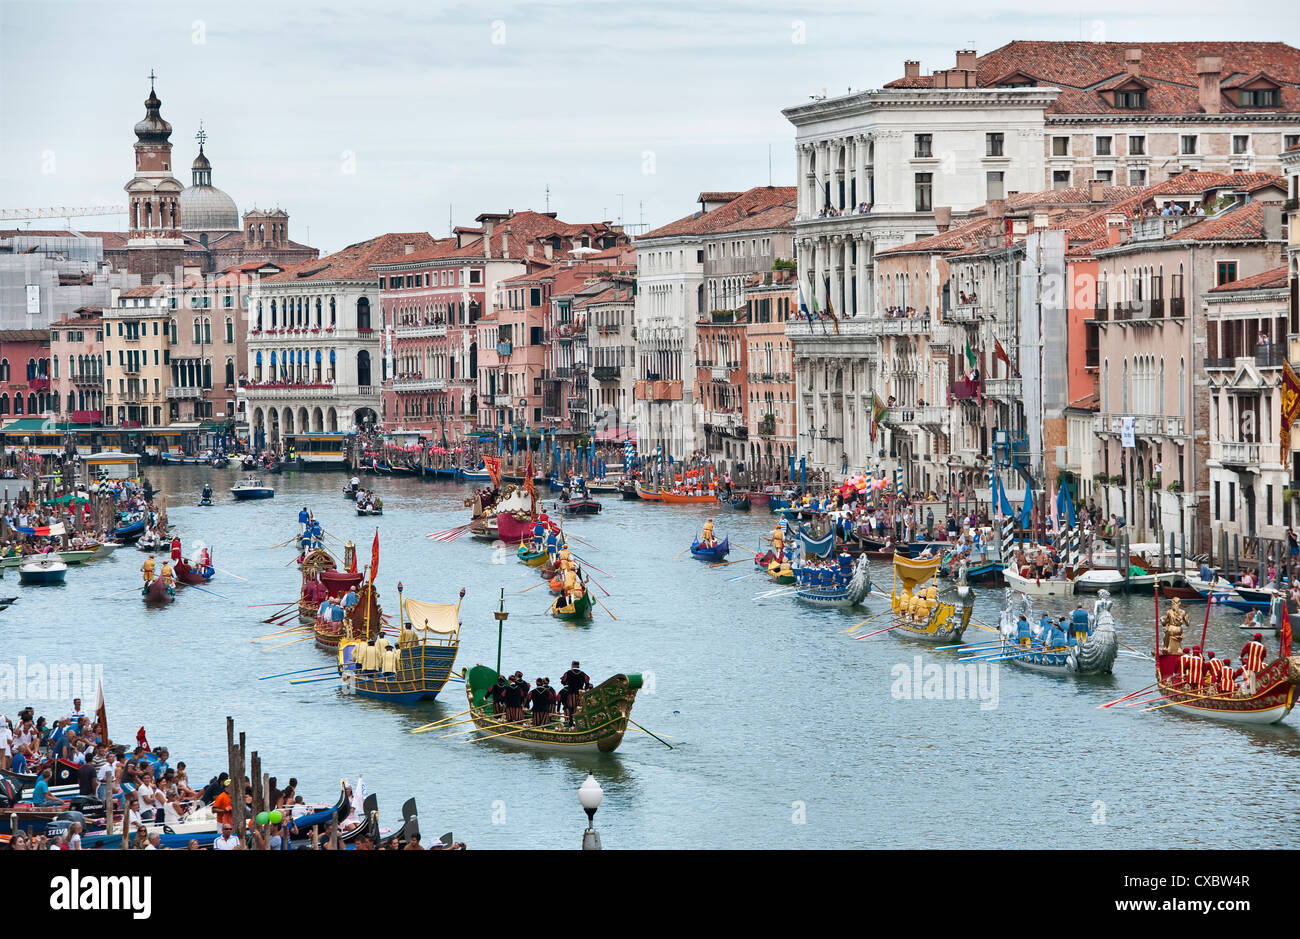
[
  {"x": 1272, "y": 221},
  {"x": 1096, "y": 190},
  {"x": 966, "y": 59},
  {"x": 505, "y": 242},
  {"x": 943, "y": 217},
  {"x": 1133, "y": 60},
  {"x": 488, "y": 226},
  {"x": 1208, "y": 70},
  {"x": 410, "y": 248},
  {"x": 997, "y": 208},
  {"x": 1115, "y": 228},
  {"x": 912, "y": 68}
]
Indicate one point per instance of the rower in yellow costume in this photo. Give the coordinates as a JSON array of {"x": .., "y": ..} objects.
[
  {"x": 706, "y": 539},
  {"x": 148, "y": 569},
  {"x": 167, "y": 575}
]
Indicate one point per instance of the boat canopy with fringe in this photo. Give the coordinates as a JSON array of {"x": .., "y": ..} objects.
[{"x": 436, "y": 617}]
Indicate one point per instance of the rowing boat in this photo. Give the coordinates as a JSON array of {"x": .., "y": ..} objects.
[
  {"x": 917, "y": 611},
  {"x": 599, "y": 721},
  {"x": 417, "y": 668},
  {"x": 714, "y": 552},
  {"x": 577, "y": 610}
]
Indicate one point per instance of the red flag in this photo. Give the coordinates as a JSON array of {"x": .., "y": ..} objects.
[
  {"x": 1000, "y": 352},
  {"x": 1284, "y": 640},
  {"x": 493, "y": 465},
  {"x": 142, "y": 740},
  {"x": 374, "y": 557}
]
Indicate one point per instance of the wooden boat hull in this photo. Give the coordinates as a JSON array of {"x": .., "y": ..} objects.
[
  {"x": 681, "y": 498},
  {"x": 577, "y": 611},
  {"x": 629, "y": 495},
  {"x": 600, "y": 721},
  {"x": 1272, "y": 702},
  {"x": 421, "y": 675},
  {"x": 736, "y": 503},
  {"x": 364, "y": 512},
  {"x": 532, "y": 558},
  {"x": 717, "y": 552},
  {"x": 193, "y": 576},
  {"x": 581, "y": 507},
  {"x": 513, "y": 531},
  {"x": 158, "y": 593},
  {"x": 649, "y": 495}
]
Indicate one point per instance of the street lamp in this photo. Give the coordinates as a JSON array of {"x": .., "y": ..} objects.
[{"x": 590, "y": 794}]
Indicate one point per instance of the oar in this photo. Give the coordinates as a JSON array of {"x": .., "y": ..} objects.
[
  {"x": 283, "y": 606},
  {"x": 1132, "y": 694},
  {"x": 298, "y": 672},
  {"x": 507, "y": 733},
  {"x": 289, "y": 643},
  {"x": 204, "y": 590},
  {"x": 308, "y": 681},
  {"x": 535, "y": 586},
  {"x": 586, "y": 563},
  {"x": 656, "y": 736},
  {"x": 424, "y": 730},
  {"x": 603, "y": 607},
  {"x": 727, "y": 563},
  {"x": 966, "y": 645},
  {"x": 868, "y": 620},
  {"x": 877, "y": 632},
  {"x": 229, "y": 574},
  {"x": 279, "y": 632},
  {"x": 441, "y": 720}
]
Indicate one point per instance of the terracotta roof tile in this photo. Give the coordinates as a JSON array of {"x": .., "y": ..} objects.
[
  {"x": 1083, "y": 70},
  {"x": 749, "y": 211},
  {"x": 1269, "y": 280},
  {"x": 353, "y": 262}
]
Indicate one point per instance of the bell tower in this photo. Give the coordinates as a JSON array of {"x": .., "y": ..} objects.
[{"x": 154, "y": 243}]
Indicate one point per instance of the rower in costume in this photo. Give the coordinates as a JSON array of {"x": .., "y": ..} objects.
[
  {"x": 575, "y": 681},
  {"x": 706, "y": 539},
  {"x": 148, "y": 570}
]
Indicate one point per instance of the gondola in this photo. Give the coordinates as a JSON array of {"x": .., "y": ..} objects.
[
  {"x": 530, "y": 557},
  {"x": 428, "y": 639},
  {"x": 840, "y": 586},
  {"x": 300, "y": 828},
  {"x": 157, "y": 592},
  {"x": 713, "y": 553},
  {"x": 737, "y": 503},
  {"x": 917, "y": 611},
  {"x": 365, "y": 510},
  {"x": 577, "y": 610},
  {"x": 1095, "y": 654},
  {"x": 628, "y": 490},
  {"x": 193, "y": 576},
  {"x": 599, "y": 721}
]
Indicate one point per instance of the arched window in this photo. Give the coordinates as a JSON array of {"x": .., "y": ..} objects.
[
  {"x": 207, "y": 373},
  {"x": 230, "y": 373},
  {"x": 363, "y": 367},
  {"x": 363, "y": 316},
  {"x": 18, "y": 404},
  {"x": 31, "y": 369}
]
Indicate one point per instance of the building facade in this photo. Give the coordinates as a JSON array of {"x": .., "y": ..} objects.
[
  {"x": 77, "y": 359},
  {"x": 137, "y": 358}
]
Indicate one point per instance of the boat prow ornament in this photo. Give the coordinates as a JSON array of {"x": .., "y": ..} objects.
[{"x": 1172, "y": 626}]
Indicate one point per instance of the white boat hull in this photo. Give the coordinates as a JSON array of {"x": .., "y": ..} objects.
[{"x": 1038, "y": 588}]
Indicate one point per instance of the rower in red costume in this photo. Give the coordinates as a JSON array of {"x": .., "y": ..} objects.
[{"x": 176, "y": 548}]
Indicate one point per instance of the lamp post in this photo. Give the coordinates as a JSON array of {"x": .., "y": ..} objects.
[{"x": 590, "y": 794}]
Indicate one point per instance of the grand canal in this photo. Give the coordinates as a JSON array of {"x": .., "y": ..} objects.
[{"x": 787, "y": 732}]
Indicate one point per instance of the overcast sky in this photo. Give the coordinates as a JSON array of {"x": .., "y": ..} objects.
[{"x": 386, "y": 116}]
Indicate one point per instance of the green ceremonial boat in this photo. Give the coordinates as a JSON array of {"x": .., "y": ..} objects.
[
  {"x": 577, "y": 611},
  {"x": 599, "y": 722}
]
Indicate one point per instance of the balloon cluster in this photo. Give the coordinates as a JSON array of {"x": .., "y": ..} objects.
[{"x": 274, "y": 817}]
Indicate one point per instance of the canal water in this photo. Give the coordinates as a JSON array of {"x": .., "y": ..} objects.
[{"x": 786, "y": 731}]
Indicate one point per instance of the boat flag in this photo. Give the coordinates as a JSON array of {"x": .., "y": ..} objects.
[
  {"x": 142, "y": 740},
  {"x": 374, "y": 558},
  {"x": 1284, "y": 635},
  {"x": 530, "y": 487},
  {"x": 1005, "y": 505},
  {"x": 493, "y": 465},
  {"x": 101, "y": 714}
]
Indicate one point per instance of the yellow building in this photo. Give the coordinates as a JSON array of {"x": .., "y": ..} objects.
[{"x": 137, "y": 358}]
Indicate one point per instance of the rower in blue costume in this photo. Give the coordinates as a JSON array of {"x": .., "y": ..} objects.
[
  {"x": 1053, "y": 638},
  {"x": 1079, "y": 624},
  {"x": 304, "y": 519},
  {"x": 1023, "y": 632}
]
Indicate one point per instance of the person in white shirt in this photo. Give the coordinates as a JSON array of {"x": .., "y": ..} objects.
[
  {"x": 77, "y": 714},
  {"x": 226, "y": 841},
  {"x": 6, "y": 743}
]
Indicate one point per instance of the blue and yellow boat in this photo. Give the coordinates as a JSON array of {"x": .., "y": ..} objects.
[{"x": 416, "y": 667}]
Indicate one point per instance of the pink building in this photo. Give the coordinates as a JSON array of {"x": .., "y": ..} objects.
[
  {"x": 24, "y": 372},
  {"x": 77, "y": 360}
]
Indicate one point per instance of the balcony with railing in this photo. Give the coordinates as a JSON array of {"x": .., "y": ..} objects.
[
  {"x": 1006, "y": 389},
  {"x": 184, "y": 393},
  {"x": 898, "y": 326},
  {"x": 409, "y": 383},
  {"x": 969, "y": 312},
  {"x": 1234, "y": 453},
  {"x": 563, "y": 372},
  {"x": 607, "y": 372},
  {"x": 419, "y": 330},
  {"x": 93, "y": 379}
]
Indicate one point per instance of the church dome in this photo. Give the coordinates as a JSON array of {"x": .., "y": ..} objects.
[
  {"x": 153, "y": 129},
  {"x": 207, "y": 208},
  {"x": 204, "y": 207}
]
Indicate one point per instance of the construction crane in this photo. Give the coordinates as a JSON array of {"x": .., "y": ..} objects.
[{"x": 61, "y": 211}]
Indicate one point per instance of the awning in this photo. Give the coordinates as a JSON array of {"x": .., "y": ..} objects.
[{"x": 436, "y": 617}]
